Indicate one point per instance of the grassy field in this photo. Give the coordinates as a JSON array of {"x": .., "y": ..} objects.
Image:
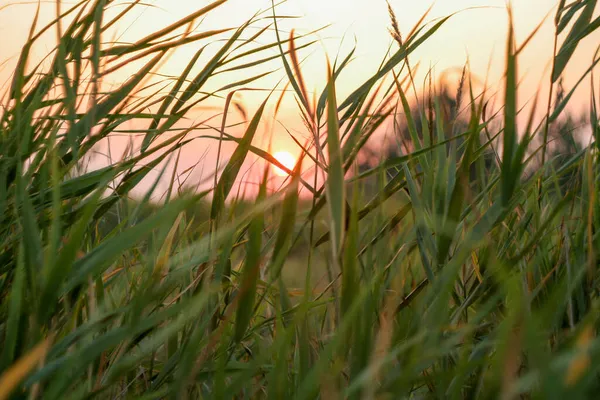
[{"x": 463, "y": 264}]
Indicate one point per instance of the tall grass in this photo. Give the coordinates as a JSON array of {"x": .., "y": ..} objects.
[{"x": 480, "y": 282}]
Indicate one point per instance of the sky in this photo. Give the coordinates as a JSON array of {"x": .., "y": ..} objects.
[{"x": 477, "y": 32}]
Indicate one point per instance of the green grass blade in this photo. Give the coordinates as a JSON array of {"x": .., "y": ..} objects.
[
  {"x": 573, "y": 39},
  {"x": 510, "y": 118},
  {"x": 250, "y": 269},
  {"x": 234, "y": 165},
  {"x": 335, "y": 185}
]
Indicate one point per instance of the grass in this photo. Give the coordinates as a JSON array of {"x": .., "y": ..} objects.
[{"x": 457, "y": 266}]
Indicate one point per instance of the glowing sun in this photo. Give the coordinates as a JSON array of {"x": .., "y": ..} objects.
[{"x": 285, "y": 158}]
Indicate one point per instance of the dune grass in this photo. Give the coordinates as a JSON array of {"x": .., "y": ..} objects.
[{"x": 458, "y": 267}]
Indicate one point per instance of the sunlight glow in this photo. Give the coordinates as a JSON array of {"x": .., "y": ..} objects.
[{"x": 287, "y": 159}]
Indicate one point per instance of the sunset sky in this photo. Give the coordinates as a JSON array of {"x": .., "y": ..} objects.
[{"x": 477, "y": 32}]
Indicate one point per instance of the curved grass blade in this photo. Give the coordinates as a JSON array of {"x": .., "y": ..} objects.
[
  {"x": 573, "y": 39},
  {"x": 234, "y": 165},
  {"x": 250, "y": 269}
]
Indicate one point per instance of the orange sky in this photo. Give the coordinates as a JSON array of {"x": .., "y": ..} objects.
[{"x": 479, "y": 32}]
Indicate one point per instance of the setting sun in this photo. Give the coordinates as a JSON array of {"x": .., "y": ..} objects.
[{"x": 287, "y": 159}]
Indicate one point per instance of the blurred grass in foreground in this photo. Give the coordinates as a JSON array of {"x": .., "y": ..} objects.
[{"x": 463, "y": 265}]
